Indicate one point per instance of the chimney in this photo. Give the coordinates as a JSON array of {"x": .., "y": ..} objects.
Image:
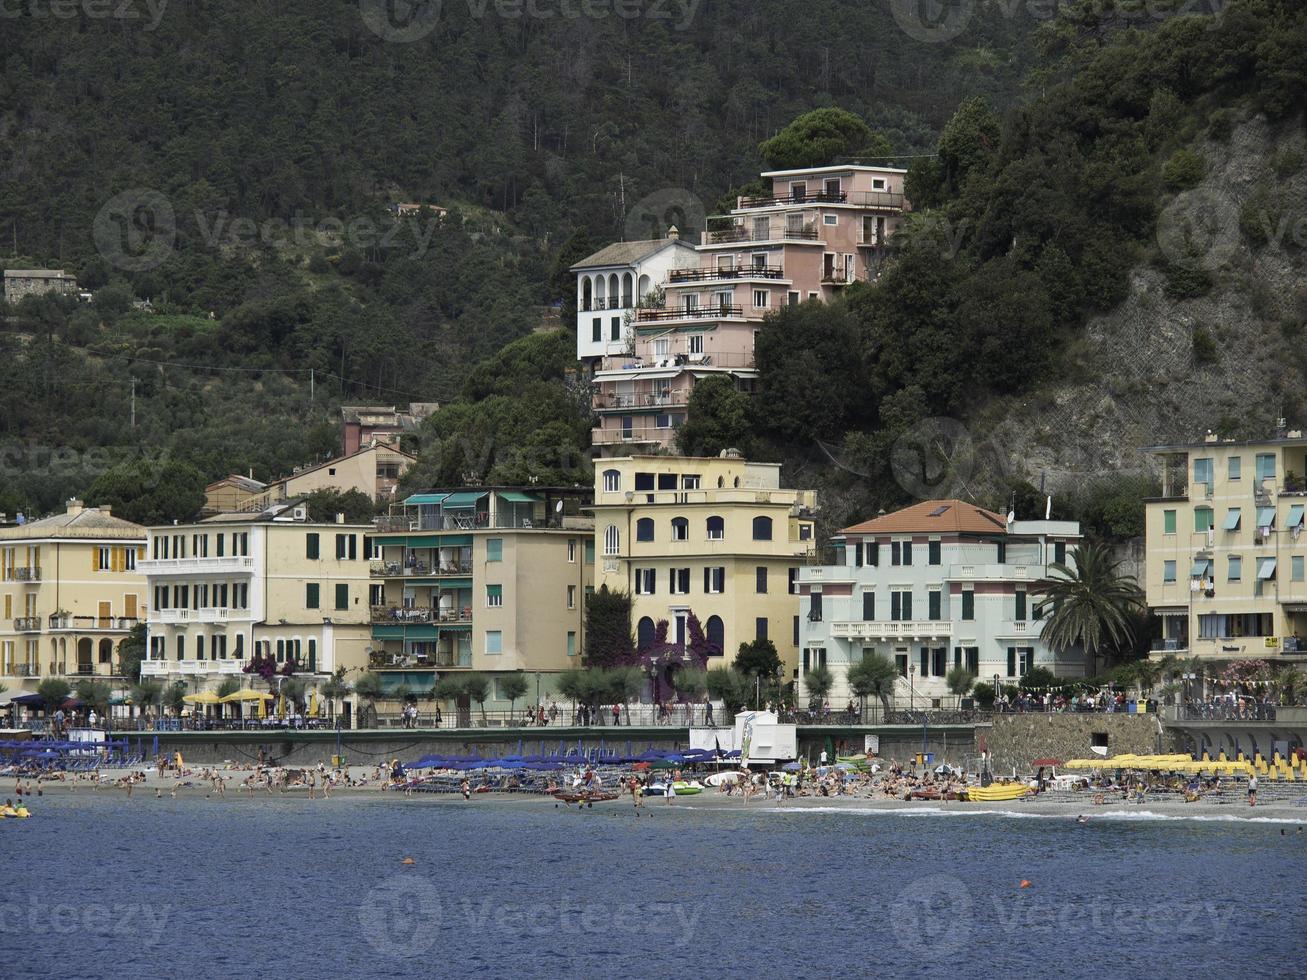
[
  {"x": 106, "y": 509},
  {"x": 340, "y": 518},
  {"x": 74, "y": 506},
  {"x": 673, "y": 233}
]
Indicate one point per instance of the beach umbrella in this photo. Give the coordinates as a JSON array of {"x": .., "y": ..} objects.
[
  {"x": 247, "y": 694},
  {"x": 204, "y": 697},
  {"x": 313, "y": 704},
  {"x": 263, "y": 708},
  {"x": 792, "y": 766}
]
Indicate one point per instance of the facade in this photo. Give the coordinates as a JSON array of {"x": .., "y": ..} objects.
[
  {"x": 373, "y": 470},
  {"x": 820, "y": 230},
  {"x": 36, "y": 282},
  {"x": 486, "y": 579},
  {"x": 272, "y": 584},
  {"x": 934, "y": 586},
  {"x": 231, "y": 494},
  {"x": 1224, "y": 550},
  {"x": 717, "y": 537},
  {"x": 70, "y": 591},
  {"x": 367, "y": 425}
]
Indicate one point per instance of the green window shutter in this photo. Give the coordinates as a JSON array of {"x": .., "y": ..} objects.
[
  {"x": 494, "y": 549},
  {"x": 1168, "y": 522},
  {"x": 1020, "y": 605},
  {"x": 1012, "y": 661},
  {"x": 311, "y": 595},
  {"x": 968, "y": 605},
  {"x": 342, "y": 596},
  {"x": 934, "y": 553},
  {"x": 934, "y": 604},
  {"x": 311, "y": 547}
]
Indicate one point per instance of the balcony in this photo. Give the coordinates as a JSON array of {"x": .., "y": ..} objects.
[
  {"x": 27, "y": 624},
  {"x": 25, "y": 574},
  {"x": 820, "y": 197},
  {"x": 892, "y": 630},
  {"x": 881, "y": 200},
  {"x": 22, "y": 670},
  {"x": 606, "y": 402},
  {"x": 642, "y": 434},
  {"x": 726, "y": 273},
  {"x": 609, "y": 303},
  {"x": 442, "y": 660},
  {"x": 417, "y": 615},
  {"x": 420, "y": 569},
  {"x": 92, "y": 624},
  {"x": 838, "y": 277},
  {"x": 232, "y": 565},
  {"x": 734, "y": 359},
  {"x": 712, "y": 312},
  {"x": 808, "y": 232},
  {"x": 190, "y": 668},
  {"x": 206, "y": 614},
  {"x": 994, "y": 573}
]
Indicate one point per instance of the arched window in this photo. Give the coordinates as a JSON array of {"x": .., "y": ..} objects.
[
  {"x": 716, "y": 634},
  {"x": 601, "y": 290},
  {"x": 587, "y": 293},
  {"x": 614, "y": 296},
  {"x": 680, "y": 529},
  {"x": 762, "y": 529},
  {"x": 106, "y": 651},
  {"x": 644, "y": 633},
  {"x": 612, "y": 540},
  {"x": 612, "y": 481},
  {"x": 628, "y": 288},
  {"x": 716, "y": 529},
  {"x": 646, "y": 287},
  {"x": 644, "y": 529}
]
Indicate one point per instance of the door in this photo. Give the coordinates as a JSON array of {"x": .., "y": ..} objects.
[{"x": 84, "y": 663}]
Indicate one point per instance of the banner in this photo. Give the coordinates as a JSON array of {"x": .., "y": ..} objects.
[
  {"x": 746, "y": 740},
  {"x": 871, "y": 744}
]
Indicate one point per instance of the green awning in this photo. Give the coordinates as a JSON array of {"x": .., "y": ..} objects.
[
  {"x": 425, "y": 498},
  {"x": 1200, "y": 568},
  {"x": 457, "y": 628},
  {"x": 1232, "y": 519},
  {"x": 1295, "y": 515},
  {"x": 1266, "y": 568},
  {"x": 517, "y": 497},
  {"x": 388, "y": 632},
  {"x": 464, "y": 500},
  {"x": 421, "y": 631},
  {"x": 425, "y": 541},
  {"x": 1265, "y": 516}
]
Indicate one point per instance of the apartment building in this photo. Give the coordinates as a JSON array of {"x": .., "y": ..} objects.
[
  {"x": 485, "y": 579},
  {"x": 1224, "y": 554},
  {"x": 818, "y": 231},
  {"x": 274, "y": 584},
  {"x": 373, "y": 471},
  {"x": 937, "y": 585},
  {"x": 717, "y": 537},
  {"x": 70, "y": 591},
  {"x": 370, "y": 425}
]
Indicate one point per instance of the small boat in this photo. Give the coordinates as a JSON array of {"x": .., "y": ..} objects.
[
  {"x": 680, "y": 788},
  {"x": 587, "y": 797},
  {"x": 997, "y": 792},
  {"x": 12, "y": 813}
]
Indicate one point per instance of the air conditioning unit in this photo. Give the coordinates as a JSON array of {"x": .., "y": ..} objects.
[{"x": 300, "y": 513}]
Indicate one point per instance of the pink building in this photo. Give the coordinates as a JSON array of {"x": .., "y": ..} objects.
[{"x": 820, "y": 230}]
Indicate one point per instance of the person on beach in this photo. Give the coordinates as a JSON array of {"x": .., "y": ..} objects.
[
  {"x": 707, "y": 712},
  {"x": 669, "y": 791},
  {"x": 1252, "y": 790},
  {"x": 466, "y": 790}
]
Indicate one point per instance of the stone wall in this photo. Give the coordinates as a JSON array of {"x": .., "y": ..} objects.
[{"x": 1019, "y": 739}]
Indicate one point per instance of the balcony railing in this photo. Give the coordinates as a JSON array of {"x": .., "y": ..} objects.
[
  {"x": 159, "y": 668},
  {"x": 838, "y": 277},
  {"x": 25, "y": 574},
  {"x": 733, "y": 359},
  {"x": 92, "y": 624},
  {"x": 23, "y": 670},
  {"x": 210, "y": 566},
  {"x": 206, "y": 614},
  {"x": 747, "y": 233},
  {"x": 666, "y": 399},
  {"x": 880, "y": 199},
  {"x": 444, "y": 660},
  {"x": 891, "y": 629},
  {"x": 690, "y": 313},
  {"x": 642, "y": 434},
  {"x": 405, "y": 615},
  {"x": 819, "y": 197},
  {"x": 27, "y": 624},
  {"x": 726, "y": 273},
  {"x": 607, "y": 303},
  {"x": 420, "y": 569}
]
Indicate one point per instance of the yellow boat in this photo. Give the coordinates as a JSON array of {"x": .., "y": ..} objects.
[
  {"x": 10, "y": 813},
  {"x": 996, "y": 792}
]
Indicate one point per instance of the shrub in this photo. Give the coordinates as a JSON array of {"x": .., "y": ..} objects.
[{"x": 1183, "y": 170}]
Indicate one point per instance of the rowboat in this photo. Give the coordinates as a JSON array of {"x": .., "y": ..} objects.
[{"x": 997, "y": 792}]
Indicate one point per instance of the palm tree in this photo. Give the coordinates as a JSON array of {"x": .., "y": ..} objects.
[
  {"x": 960, "y": 681},
  {"x": 1291, "y": 682},
  {"x": 146, "y": 695},
  {"x": 450, "y": 688},
  {"x": 817, "y": 681},
  {"x": 53, "y": 691},
  {"x": 293, "y": 690},
  {"x": 572, "y": 685},
  {"x": 730, "y": 687},
  {"x": 873, "y": 676},
  {"x": 1092, "y": 604},
  {"x": 94, "y": 693}
]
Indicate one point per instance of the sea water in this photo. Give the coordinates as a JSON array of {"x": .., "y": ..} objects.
[{"x": 109, "y": 887}]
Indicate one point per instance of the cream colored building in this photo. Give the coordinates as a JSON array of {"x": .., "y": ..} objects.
[
  {"x": 373, "y": 471},
  {"x": 716, "y": 537},
  {"x": 274, "y": 585},
  {"x": 1225, "y": 554},
  {"x": 70, "y": 591},
  {"x": 489, "y": 579}
]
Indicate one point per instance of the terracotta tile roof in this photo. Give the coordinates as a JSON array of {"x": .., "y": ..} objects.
[{"x": 934, "y": 516}]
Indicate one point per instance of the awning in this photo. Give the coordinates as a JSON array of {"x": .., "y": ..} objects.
[
  {"x": 1265, "y": 516},
  {"x": 1232, "y": 519},
  {"x": 453, "y": 584},
  {"x": 1265, "y": 568},
  {"x": 425, "y": 498},
  {"x": 247, "y": 695},
  {"x": 1295, "y": 515},
  {"x": 517, "y": 497},
  {"x": 464, "y": 500},
  {"x": 651, "y": 375},
  {"x": 1201, "y": 568},
  {"x": 204, "y": 697}
]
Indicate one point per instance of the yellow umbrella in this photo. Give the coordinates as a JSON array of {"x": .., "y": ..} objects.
[
  {"x": 204, "y": 697},
  {"x": 247, "y": 694},
  {"x": 263, "y": 708},
  {"x": 281, "y": 706},
  {"x": 313, "y": 704}
]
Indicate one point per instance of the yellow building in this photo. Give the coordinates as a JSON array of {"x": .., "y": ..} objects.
[
  {"x": 716, "y": 537},
  {"x": 70, "y": 591},
  {"x": 373, "y": 471},
  {"x": 1225, "y": 553},
  {"x": 490, "y": 579},
  {"x": 274, "y": 585}
]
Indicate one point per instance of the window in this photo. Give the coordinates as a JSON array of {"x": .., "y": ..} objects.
[
  {"x": 1296, "y": 568},
  {"x": 589, "y": 552},
  {"x": 690, "y": 481},
  {"x": 1019, "y": 612},
  {"x": 696, "y": 343},
  {"x": 494, "y": 596},
  {"x": 762, "y": 529},
  {"x": 346, "y": 547},
  {"x": 869, "y": 606},
  {"x": 716, "y": 529},
  {"x": 181, "y": 646},
  {"x": 615, "y": 333},
  {"x": 1232, "y": 518},
  {"x": 968, "y": 605},
  {"x": 1168, "y": 571},
  {"x": 1234, "y": 466},
  {"x": 794, "y": 581},
  {"x": 612, "y": 540},
  {"x": 571, "y": 643},
  {"x": 1235, "y": 568},
  {"x": 680, "y": 529},
  {"x": 644, "y": 481},
  {"x": 761, "y": 299},
  {"x": 680, "y": 581},
  {"x": 900, "y": 553},
  {"x": 760, "y": 580},
  {"x": 933, "y": 553},
  {"x": 597, "y": 330},
  {"x": 830, "y": 219},
  {"x": 645, "y": 633},
  {"x": 494, "y": 549},
  {"x": 311, "y": 547},
  {"x": 644, "y": 529},
  {"x": 311, "y": 595},
  {"x": 494, "y": 642},
  {"x": 612, "y": 481},
  {"x": 1000, "y": 550},
  {"x": 715, "y": 631},
  {"x": 934, "y": 602},
  {"x": 760, "y": 628},
  {"x": 666, "y": 481},
  {"x": 1203, "y": 472},
  {"x": 1203, "y": 519},
  {"x": 714, "y": 581},
  {"x": 103, "y": 559},
  {"x": 1265, "y": 466},
  {"x": 342, "y": 596},
  {"x": 794, "y": 297},
  {"x": 571, "y": 597},
  {"x": 1168, "y": 522},
  {"x": 571, "y": 551},
  {"x": 872, "y": 551},
  {"x": 900, "y": 605},
  {"x": 646, "y": 580}
]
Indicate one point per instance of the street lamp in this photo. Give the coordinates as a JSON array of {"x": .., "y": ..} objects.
[{"x": 912, "y": 691}]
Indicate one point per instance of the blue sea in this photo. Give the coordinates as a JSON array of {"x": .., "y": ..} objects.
[{"x": 111, "y": 887}]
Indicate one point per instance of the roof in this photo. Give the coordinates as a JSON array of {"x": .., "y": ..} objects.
[
  {"x": 955, "y": 516},
  {"x": 1293, "y": 437},
  {"x": 836, "y": 168},
  {"x": 380, "y": 447},
  {"x": 77, "y": 522},
  {"x": 39, "y": 273},
  {"x": 241, "y": 482},
  {"x": 627, "y": 253}
]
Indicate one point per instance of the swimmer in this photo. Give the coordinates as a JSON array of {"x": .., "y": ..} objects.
[{"x": 1082, "y": 819}]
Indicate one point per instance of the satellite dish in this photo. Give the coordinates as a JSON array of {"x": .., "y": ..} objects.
[{"x": 558, "y": 507}]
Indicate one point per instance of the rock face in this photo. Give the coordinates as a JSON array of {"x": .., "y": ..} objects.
[
  {"x": 1017, "y": 740},
  {"x": 1139, "y": 378}
]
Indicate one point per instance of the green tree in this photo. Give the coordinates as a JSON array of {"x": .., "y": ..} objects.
[
  {"x": 324, "y": 505},
  {"x": 730, "y": 687},
  {"x": 625, "y": 684},
  {"x": 960, "y": 681},
  {"x": 95, "y": 694},
  {"x": 295, "y": 691},
  {"x": 513, "y": 687},
  {"x": 369, "y": 688},
  {"x": 131, "y": 652},
  {"x": 817, "y": 681},
  {"x": 717, "y": 419},
  {"x": 173, "y": 697},
  {"x": 609, "y": 639},
  {"x": 150, "y": 491},
  {"x": 477, "y": 688},
  {"x": 1038, "y": 677},
  {"x": 758, "y": 658},
  {"x": 146, "y": 694},
  {"x": 816, "y": 138},
  {"x": 573, "y": 685},
  {"x": 228, "y": 686},
  {"x": 968, "y": 144},
  {"x": 874, "y": 675},
  {"x": 1092, "y": 602},
  {"x": 53, "y": 691},
  {"x": 335, "y": 688}
]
